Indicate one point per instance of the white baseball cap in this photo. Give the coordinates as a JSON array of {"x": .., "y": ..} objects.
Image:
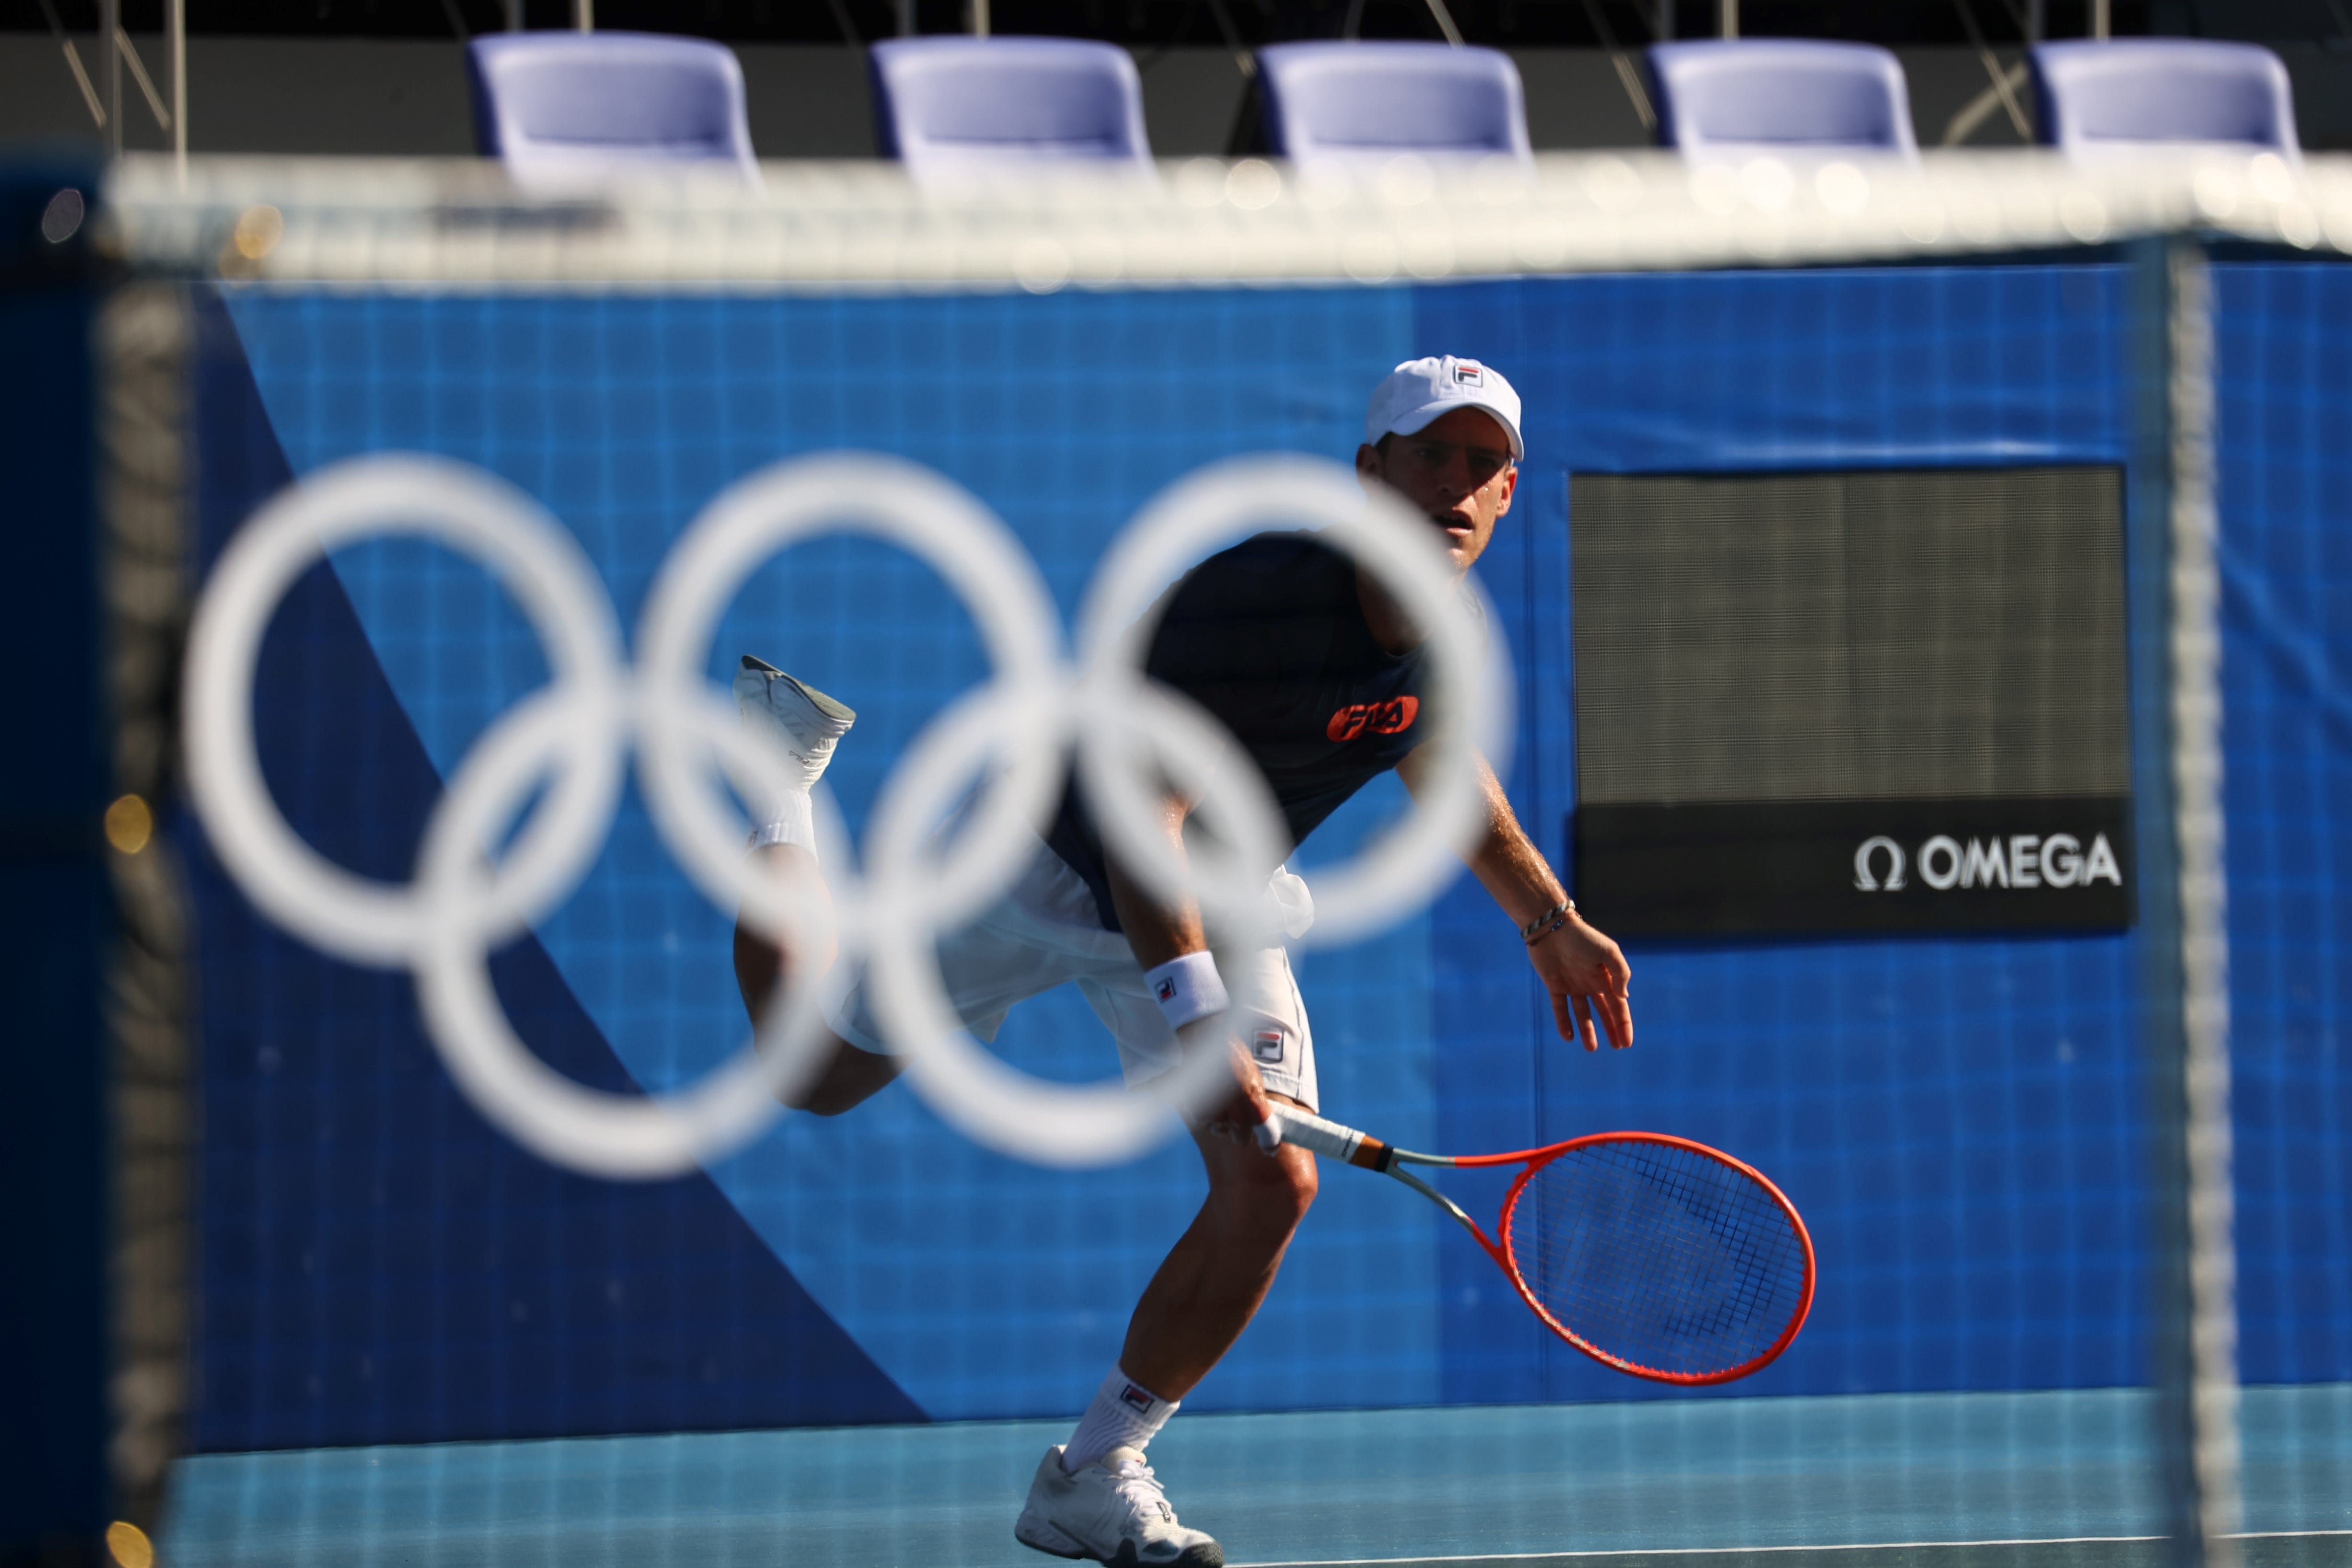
[{"x": 1419, "y": 392}]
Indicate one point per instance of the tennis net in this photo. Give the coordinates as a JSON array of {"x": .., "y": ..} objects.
[{"x": 1894, "y": 551}]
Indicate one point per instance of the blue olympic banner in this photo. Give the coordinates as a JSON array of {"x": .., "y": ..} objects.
[{"x": 1960, "y": 1119}]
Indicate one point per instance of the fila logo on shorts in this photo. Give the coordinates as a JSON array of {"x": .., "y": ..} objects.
[
  {"x": 1467, "y": 373},
  {"x": 1266, "y": 1045},
  {"x": 1394, "y": 717}
]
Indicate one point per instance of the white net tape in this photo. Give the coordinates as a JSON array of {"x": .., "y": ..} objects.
[{"x": 830, "y": 226}]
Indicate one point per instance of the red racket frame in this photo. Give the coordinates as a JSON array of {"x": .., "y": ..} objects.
[{"x": 1536, "y": 1159}]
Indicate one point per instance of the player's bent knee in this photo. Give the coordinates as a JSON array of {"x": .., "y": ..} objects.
[
  {"x": 1296, "y": 1191},
  {"x": 1284, "y": 1204},
  {"x": 1265, "y": 1195},
  {"x": 849, "y": 1080}
]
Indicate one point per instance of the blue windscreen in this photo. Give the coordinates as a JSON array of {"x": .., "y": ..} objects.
[{"x": 1960, "y": 1120}]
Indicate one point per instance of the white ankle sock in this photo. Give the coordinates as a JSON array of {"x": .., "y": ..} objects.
[
  {"x": 791, "y": 819},
  {"x": 1124, "y": 1413}
]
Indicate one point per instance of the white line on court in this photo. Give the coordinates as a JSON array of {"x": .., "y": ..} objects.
[{"x": 1723, "y": 1551}]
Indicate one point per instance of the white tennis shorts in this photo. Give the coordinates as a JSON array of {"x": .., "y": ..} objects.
[{"x": 1044, "y": 933}]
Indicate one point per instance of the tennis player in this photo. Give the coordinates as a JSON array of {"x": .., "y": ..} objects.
[{"x": 1318, "y": 672}]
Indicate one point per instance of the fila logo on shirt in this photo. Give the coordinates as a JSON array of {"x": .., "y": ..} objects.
[
  {"x": 2021, "y": 860},
  {"x": 1394, "y": 717}
]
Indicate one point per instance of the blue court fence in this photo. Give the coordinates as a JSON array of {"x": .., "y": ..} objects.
[{"x": 1962, "y": 1120}]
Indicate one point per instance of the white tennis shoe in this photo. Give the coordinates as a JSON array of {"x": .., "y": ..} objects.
[
  {"x": 802, "y": 720},
  {"x": 1110, "y": 1511}
]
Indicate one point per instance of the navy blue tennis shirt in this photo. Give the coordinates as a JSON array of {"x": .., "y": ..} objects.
[{"x": 1270, "y": 637}]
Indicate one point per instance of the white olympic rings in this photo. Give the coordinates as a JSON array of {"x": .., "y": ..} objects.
[{"x": 1012, "y": 735}]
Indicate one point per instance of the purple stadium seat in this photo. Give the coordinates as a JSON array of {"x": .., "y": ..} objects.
[
  {"x": 560, "y": 107},
  {"x": 947, "y": 104},
  {"x": 2132, "y": 94},
  {"x": 1362, "y": 101},
  {"x": 1734, "y": 98}
]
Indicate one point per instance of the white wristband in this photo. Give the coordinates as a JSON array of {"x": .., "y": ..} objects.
[{"x": 1187, "y": 988}]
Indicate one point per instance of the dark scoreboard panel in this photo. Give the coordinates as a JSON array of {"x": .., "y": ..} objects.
[{"x": 1848, "y": 702}]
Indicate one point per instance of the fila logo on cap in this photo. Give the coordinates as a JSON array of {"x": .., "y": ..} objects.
[{"x": 1422, "y": 391}]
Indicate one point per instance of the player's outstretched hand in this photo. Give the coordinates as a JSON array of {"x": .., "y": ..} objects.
[{"x": 1586, "y": 973}]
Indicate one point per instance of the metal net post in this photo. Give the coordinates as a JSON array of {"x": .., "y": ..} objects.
[
  {"x": 144, "y": 343},
  {"x": 2186, "y": 1017}
]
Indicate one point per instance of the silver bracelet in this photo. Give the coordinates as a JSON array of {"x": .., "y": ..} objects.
[{"x": 1550, "y": 921}]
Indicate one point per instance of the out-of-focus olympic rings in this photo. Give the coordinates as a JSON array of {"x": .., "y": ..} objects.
[{"x": 935, "y": 855}]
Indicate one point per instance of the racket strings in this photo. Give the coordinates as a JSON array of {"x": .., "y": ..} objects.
[{"x": 1659, "y": 1255}]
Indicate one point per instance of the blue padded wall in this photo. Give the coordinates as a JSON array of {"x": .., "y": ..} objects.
[{"x": 1960, "y": 1120}]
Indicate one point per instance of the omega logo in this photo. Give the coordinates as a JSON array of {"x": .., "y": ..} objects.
[{"x": 2021, "y": 860}]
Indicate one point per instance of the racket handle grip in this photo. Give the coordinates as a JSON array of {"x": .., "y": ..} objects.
[{"x": 1328, "y": 1139}]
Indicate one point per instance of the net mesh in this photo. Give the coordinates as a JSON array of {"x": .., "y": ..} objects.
[
  {"x": 1660, "y": 1256},
  {"x": 847, "y": 1342}
]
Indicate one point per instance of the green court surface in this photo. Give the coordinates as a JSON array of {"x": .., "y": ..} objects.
[{"x": 2022, "y": 1480}]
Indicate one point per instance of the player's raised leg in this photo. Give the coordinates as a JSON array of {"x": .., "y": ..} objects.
[{"x": 808, "y": 725}]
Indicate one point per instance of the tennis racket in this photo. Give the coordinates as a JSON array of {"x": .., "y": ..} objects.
[{"x": 1656, "y": 1256}]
